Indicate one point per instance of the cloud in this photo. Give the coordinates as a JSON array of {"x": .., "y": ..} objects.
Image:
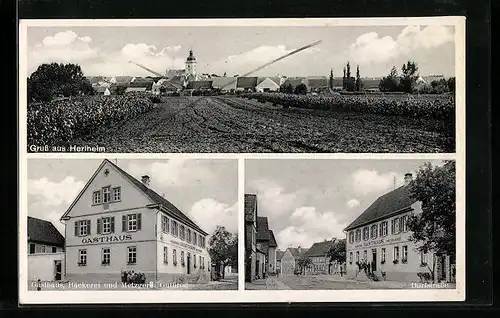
[
  {"x": 273, "y": 198},
  {"x": 209, "y": 213},
  {"x": 371, "y": 181},
  {"x": 307, "y": 226},
  {"x": 372, "y": 48},
  {"x": 352, "y": 203},
  {"x": 55, "y": 193},
  {"x": 173, "y": 173}
]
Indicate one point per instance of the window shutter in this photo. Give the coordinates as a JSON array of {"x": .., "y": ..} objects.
[
  {"x": 138, "y": 221},
  {"x": 99, "y": 231},
  {"x": 124, "y": 223},
  {"x": 112, "y": 224},
  {"x": 76, "y": 228},
  {"x": 89, "y": 228}
]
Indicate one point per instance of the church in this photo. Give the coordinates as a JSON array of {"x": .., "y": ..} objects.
[{"x": 118, "y": 223}]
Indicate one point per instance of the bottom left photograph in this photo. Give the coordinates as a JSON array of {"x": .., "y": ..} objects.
[{"x": 132, "y": 224}]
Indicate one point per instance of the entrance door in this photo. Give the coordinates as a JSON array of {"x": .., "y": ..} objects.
[
  {"x": 58, "y": 269},
  {"x": 257, "y": 268},
  {"x": 374, "y": 260},
  {"x": 189, "y": 263}
]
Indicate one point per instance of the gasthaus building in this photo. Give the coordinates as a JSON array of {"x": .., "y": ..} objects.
[
  {"x": 118, "y": 223},
  {"x": 380, "y": 238}
]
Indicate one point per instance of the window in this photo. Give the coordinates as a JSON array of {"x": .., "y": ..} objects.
[
  {"x": 396, "y": 253},
  {"x": 382, "y": 257},
  {"x": 351, "y": 237},
  {"x": 357, "y": 256},
  {"x": 182, "y": 232},
  {"x": 374, "y": 231},
  {"x": 423, "y": 258},
  {"x": 195, "y": 238},
  {"x": 405, "y": 253},
  {"x": 175, "y": 229},
  {"x": 365, "y": 256},
  {"x": 165, "y": 255},
  {"x": 54, "y": 249},
  {"x": 194, "y": 260},
  {"x": 350, "y": 258},
  {"x": 132, "y": 255},
  {"x": 43, "y": 249},
  {"x": 32, "y": 248},
  {"x": 203, "y": 262},
  {"x": 164, "y": 224},
  {"x": 200, "y": 240},
  {"x": 203, "y": 244},
  {"x": 106, "y": 225},
  {"x": 82, "y": 228},
  {"x": 358, "y": 235},
  {"x": 174, "y": 256},
  {"x": 117, "y": 194},
  {"x": 131, "y": 222},
  {"x": 106, "y": 256},
  {"x": 82, "y": 257},
  {"x": 188, "y": 235},
  {"x": 182, "y": 258},
  {"x": 404, "y": 223},
  {"x": 397, "y": 226},
  {"x": 383, "y": 228},
  {"x": 106, "y": 194},
  {"x": 366, "y": 233},
  {"x": 96, "y": 197}
]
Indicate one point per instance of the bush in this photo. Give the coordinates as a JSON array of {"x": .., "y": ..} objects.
[
  {"x": 132, "y": 277},
  {"x": 60, "y": 122},
  {"x": 155, "y": 99},
  {"x": 424, "y": 276}
]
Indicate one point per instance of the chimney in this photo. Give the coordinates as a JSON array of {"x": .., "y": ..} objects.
[
  {"x": 145, "y": 180},
  {"x": 408, "y": 178}
]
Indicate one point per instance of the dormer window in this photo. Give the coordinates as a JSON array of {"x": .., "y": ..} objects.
[{"x": 107, "y": 195}]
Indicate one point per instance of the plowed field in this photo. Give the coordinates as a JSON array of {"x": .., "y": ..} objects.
[{"x": 238, "y": 125}]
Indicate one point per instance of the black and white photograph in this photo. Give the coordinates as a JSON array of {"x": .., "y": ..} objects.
[
  {"x": 132, "y": 224},
  {"x": 350, "y": 224},
  {"x": 260, "y": 88}
]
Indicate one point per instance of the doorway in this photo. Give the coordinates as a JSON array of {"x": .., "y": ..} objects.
[
  {"x": 189, "y": 263},
  {"x": 58, "y": 270},
  {"x": 374, "y": 260}
]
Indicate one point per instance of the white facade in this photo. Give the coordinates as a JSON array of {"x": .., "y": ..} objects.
[
  {"x": 272, "y": 259},
  {"x": 114, "y": 226},
  {"x": 267, "y": 85}
]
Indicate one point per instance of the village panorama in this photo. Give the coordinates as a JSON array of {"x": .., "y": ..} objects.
[{"x": 311, "y": 95}]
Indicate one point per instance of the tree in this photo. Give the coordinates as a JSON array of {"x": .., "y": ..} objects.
[
  {"x": 286, "y": 88},
  {"x": 301, "y": 89},
  {"x": 348, "y": 80},
  {"x": 390, "y": 83},
  {"x": 451, "y": 84},
  {"x": 223, "y": 249},
  {"x": 358, "y": 85},
  {"x": 343, "y": 80},
  {"x": 303, "y": 262},
  {"x": 348, "y": 70},
  {"x": 409, "y": 77},
  {"x": 338, "y": 252},
  {"x": 52, "y": 80},
  {"x": 434, "y": 228},
  {"x": 330, "y": 84}
]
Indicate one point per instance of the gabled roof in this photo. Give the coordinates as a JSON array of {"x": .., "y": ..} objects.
[
  {"x": 268, "y": 82},
  {"x": 314, "y": 82},
  {"x": 142, "y": 83},
  {"x": 246, "y": 82},
  {"x": 135, "y": 89},
  {"x": 165, "y": 205},
  {"x": 337, "y": 82},
  {"x": 396, "y": 200},
  {"x": 275, "y": 79},
  {"x": 101, "y": 89},
  {"x": 227, "y": 83},
  {"x": 279, "y": 255},
  {"x": 295, "y": 251},
  {"x": 295, "y": 81},
  {"x": 319, "y": 248},
  {"x": 272, "y": 240},
  {"x": 250, "y": 207},
  {"x": 42, "y": 231},
  {"x": 262, "y": 229},
  {"x": 200, "y": 85},
  {"x": 123, "y": 79}
]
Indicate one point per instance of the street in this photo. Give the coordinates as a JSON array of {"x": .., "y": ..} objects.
[{"x": 330, "y": 282}]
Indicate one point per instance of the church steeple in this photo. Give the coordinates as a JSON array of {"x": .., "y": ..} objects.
[{"x": 191, "y": 65}]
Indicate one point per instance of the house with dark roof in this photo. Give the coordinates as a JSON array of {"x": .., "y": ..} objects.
[
  {"x": 121, "y": 80},
  {"x": 316, "y": 83},
  {"x": 45, "y": 251},
  {"x": 246, "y": 83},
  {"x": 378, "y": 242},
  {"x": 119, "y": 223},
  {"x": 200, "y": 85},
  {"x": 290, "y": 259},
  {"x": 268, "y": 84},
  {"x": 320, "y": 260},
  {"x": 224, "y": 83},
  {"x": 279, "y": 256}
]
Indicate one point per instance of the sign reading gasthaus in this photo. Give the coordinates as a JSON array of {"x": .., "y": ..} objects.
[{"x": 118, "y": 223}]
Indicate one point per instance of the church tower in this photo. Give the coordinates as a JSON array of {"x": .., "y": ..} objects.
[{"x": 191, "y": 66}]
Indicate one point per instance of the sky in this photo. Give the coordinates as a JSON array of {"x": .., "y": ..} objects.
[
  {"x": 206, "y": 190},
  {"x": 106, "y": 51},
  {"x": 308, "y": 201}
]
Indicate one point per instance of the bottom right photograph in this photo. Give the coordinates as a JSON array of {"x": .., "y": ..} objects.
[{"x": 325, "y": 224}]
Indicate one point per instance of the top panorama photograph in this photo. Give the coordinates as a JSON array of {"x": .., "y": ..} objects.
[{"x": 241, "y": 89}]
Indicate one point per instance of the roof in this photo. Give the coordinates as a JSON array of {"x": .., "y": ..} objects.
[
  {"x": 338, "y": 82},
  {"x": 250, "y": 207},
  {"x": 200, "y": 85},
  {"x": 262, "y": 229},
  {"x": 123, "y": 79},
  {"x": 42, "y": 231},
  {"x": 314, "y": 82},
  {"x": 135, "y": 89},
  {"x": 275, "y": 79},
  {"x": 279, "y": 255},
  {"x": 294, "y": 81},
  {"x": 295, "y": 251},
  {"x": 319, "y": 248},
  {"x": 272, "y": 240},
  {"x": 101, "y": 89},
  {"x": 396, "y": 200},
  {"x": 268, "y": 82},
  {"x": 246, "y": 82},
  {"x": 191, "y": 56},
  {"x": 227, "y": 83}
]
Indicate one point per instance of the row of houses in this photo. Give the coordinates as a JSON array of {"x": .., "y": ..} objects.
[{"x": 260, "y": 243}]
